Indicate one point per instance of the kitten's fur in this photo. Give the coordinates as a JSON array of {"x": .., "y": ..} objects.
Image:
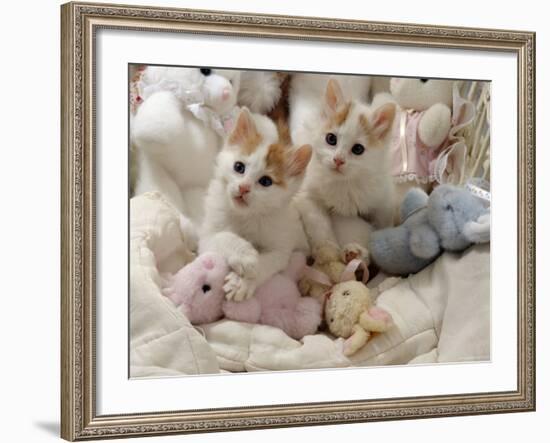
[
  {"x": 255, "y": 230},
  {"x": 306, "y": 99},
  {"x": 336, "y": 200},
  {"x": 175, "y": 150}
]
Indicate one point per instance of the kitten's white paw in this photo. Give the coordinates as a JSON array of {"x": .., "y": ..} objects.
[
  {"x": 354, "y": 250},
  {"x": 237, "y": 288},
  {"x": 244, "y": 264}
]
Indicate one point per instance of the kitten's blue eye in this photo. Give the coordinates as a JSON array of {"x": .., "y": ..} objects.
[
  {"x": 206, "y": 71},
  {"x": 357, "y": 149},
  {"x": 424, "y": 80},
  {"x": 331, "y": 139},
  {"x": 265, "y": 181},
  {"x": 239, "y": 167}
]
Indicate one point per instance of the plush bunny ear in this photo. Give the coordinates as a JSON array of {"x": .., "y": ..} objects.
[
  {"x": 376, "y": 319},
  {"x": 334, "y": 97},
  {"x": 478, "y": 231}
]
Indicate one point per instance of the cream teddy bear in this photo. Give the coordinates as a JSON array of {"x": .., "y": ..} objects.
[{"x": 350, "y": 313}]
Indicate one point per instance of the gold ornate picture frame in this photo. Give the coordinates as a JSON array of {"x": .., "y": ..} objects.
[{"x": 80, "y": 21}]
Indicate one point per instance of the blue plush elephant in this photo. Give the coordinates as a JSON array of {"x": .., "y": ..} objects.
[{"x": 450, "y": 219}]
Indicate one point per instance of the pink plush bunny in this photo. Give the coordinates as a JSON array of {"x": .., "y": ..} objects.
[{"x": 198, "y": 289}]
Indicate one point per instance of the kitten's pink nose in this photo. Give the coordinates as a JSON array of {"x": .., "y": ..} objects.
[
  {"x": 226, "y": 93},
  {"x": 244, "y": 189},
  {"x": 339, "y": 161}
]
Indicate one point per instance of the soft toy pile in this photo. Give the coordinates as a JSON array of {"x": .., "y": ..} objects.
[
  {"x": 349, "y": 311},
  {"x": 180, "y": 118}
]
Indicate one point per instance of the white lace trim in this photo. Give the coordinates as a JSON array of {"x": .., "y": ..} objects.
[{"x": 412, "y": 176}]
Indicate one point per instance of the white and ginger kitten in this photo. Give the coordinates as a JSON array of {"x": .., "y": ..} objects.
[
  {"x": 348, "y": 184},
  {"x": 249, "y": 216},
  {"x": 176, "y": 149},
  {"x": 306, "y": 98}
]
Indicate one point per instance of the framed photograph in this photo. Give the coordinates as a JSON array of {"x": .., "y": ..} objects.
[{"x": 277, "y": 221}]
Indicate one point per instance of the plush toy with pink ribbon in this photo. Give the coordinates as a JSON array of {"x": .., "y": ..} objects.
[{"x": 349, "y": 308}]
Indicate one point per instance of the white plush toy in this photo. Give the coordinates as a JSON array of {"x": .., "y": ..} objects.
[
  {"x": 181, "y": 117},
  {"x": 379, "y": 84},
  {"x": 260, "y": 90},
  {"x": 425, "y": 146}
]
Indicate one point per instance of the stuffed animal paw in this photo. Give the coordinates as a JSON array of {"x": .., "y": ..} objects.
[
  {"x": 435, "y": 124},
  {"x": 356, "y": 341}
]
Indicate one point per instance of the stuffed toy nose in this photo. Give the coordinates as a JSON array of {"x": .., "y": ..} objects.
[
  {"x": 208, "y": 263},
  {"x": 226, "y": 93}
]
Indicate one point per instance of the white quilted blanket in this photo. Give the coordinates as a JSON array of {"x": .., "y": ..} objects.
[{"x": 441, "y": 314}]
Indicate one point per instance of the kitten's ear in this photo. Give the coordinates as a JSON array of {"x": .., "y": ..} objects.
[
  {"x": 244, "y": 131},
  {"x": 334, "y": 97},
  {"x": 299, "y": 160},
  {"x": 382, "y": 120}
]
